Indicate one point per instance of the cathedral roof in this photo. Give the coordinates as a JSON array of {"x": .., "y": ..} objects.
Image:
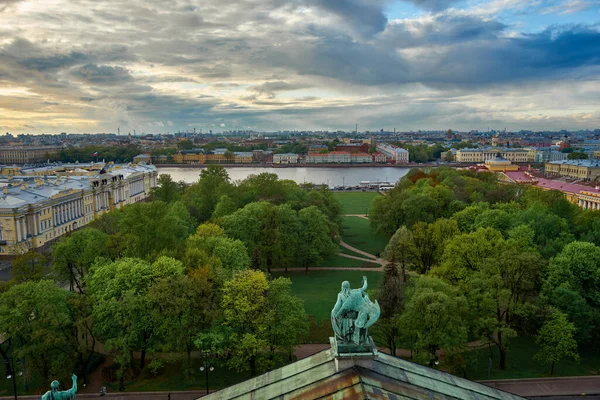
[{"x": 376, "y": 376}]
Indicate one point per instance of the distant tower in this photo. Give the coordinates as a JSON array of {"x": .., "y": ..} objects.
[
  {"x": 118, "y": 130},
  {"x": 356, "y": 129}
]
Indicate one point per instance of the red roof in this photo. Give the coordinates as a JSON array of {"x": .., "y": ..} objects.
[{"x": 520, "y": 176}]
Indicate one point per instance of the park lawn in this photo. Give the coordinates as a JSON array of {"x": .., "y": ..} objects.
[
  {"x": 171, "y": 377},
  {"x": 319, "y": 289},
  {"x": 521, "y": 364},
  {"x": 337, "y": 261},
  {"x": 355, "y": 202},
  {"x": 357, "y": 233}
]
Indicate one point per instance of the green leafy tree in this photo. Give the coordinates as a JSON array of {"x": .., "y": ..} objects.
[
  {"x": 435, "y": 315},
  {"x": 182, "y": 307},
  {"x": 501, "y": 291},
  {"x": 390, "y": 296},
  {"x": 202, "y": 197},
  {"x": 30, "y": 266},
  {"x": 577, "y": 155},
  {"x": 429, "y": 241},
  {"x": 573, "y": 285},
  {"x": 73, "y": 255},
  {"x": 556, "y": 340},
  {"x": 155, "y": 228},
  {"x": 400, "y": 250},
  {"x": 288, "y": 321},
  {"x": 123, "y": 309},
  {"x": 246, "y": 314},
  {"x": 37, "y": 319},
  {"x": 229, "y": 156},
  {"x": 315, "y": 242},
  {"x": 224, "y": 207},
  {"x": 166, "y": 189},
  {"x": 185, "y": 144}
]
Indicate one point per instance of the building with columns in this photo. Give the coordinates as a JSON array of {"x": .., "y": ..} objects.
[
  {"x": 587, "y": 170},
  {"x": 36, "y": 209},
  {"x": 589, "y": 200}
]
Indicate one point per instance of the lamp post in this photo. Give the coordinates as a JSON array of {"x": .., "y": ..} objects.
[
  {"x": 9, "y": 364},
  {"x": 207, "y": 365}
]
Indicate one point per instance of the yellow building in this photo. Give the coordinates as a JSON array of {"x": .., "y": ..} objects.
[
  {"x": 500, "y": 164},
  {"x": 243, "y": 157},
  {"x": 189, "y": 157},
  {"x": 26, "y": 154},
  {"x": 35, "y": 210},
  {"x": 485, "y": 154},
  {"x": 588, "y": 170}
]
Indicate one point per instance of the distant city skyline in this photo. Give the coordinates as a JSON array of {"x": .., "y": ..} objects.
[{"x": 267, "y": 65}]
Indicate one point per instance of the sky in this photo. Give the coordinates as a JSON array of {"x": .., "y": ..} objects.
[{"x": 161, "y": 66}]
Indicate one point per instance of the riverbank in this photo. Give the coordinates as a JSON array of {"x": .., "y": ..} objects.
[{"x": 298, "y": 165}]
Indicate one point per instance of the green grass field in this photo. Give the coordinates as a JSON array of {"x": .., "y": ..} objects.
[
  {"x": 355, "y": 203},
  {"x": 521, "y": 364},
  {"x": 357, "y": 233},
  {"x": 319, "y": 289}
]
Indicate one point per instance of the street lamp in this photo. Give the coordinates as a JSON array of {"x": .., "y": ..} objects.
[
  {"x": 10, "y": 372},
  {"x": 207, "y": 365}
]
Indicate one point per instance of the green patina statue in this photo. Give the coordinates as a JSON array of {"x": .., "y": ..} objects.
[
  {"x": 54, "y": 394},
  {"x": 353, "y": 314}
]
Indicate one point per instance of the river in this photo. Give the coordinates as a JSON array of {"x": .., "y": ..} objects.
[{"x": 329, "y": 176}]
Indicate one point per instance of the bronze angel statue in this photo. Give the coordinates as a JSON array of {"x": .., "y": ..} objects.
[{"x": 353, "y": 314}]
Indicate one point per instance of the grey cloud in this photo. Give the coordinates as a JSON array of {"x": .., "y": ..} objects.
[
  {"x": 5, "y": 4},
  {"x": 364, "y": 15},
  {"x": 103, "y": 74},
  {"x": 269, "y": 89},
  {"x": 434, "y": 5},
  {"x": 267, "y": 47},
  {"x": 441, "y": 30}
]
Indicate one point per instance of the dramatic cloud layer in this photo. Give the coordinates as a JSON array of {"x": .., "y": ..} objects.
[{"x": 92, "y": 65}]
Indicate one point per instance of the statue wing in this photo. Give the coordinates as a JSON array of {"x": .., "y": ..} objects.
[{"x": 374, "y": 312}]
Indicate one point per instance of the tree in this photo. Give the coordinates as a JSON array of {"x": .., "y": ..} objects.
[
  {"x": 435, "y": 315},
  {"x": 288, "y": 322},
  {"x": 466, "y": 253},
  {"x": 314, "y": 240},
  {"x": 501, "y": 289},
  {"x": 229, "y": 156},
  {"x": 73, "y": 255},
  {"x": 202, "y": 197},
  {"x": 185, "y": 144},
  {"x": 390, "y": 296},
  {"x": 577, "y": 155},
  {"x": 577, "y": 268},
  {"x": 166, "y": 190},
  {"x": 246, "y": 314},
  {"x": 556, "y": 340},
  {"x": 155, "y": 228},
  {"x": 36, "y": 316},
  {"x": 573, "y": 285},
  {"x": 183, "y": 306},
  {"x": 224, "y": 207},
  {"x": 429, "y": 241},
  {"x": 123, "y": 309},
  {"x": 30, "y": 266},
  {"x": 400, "y": 249}
]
